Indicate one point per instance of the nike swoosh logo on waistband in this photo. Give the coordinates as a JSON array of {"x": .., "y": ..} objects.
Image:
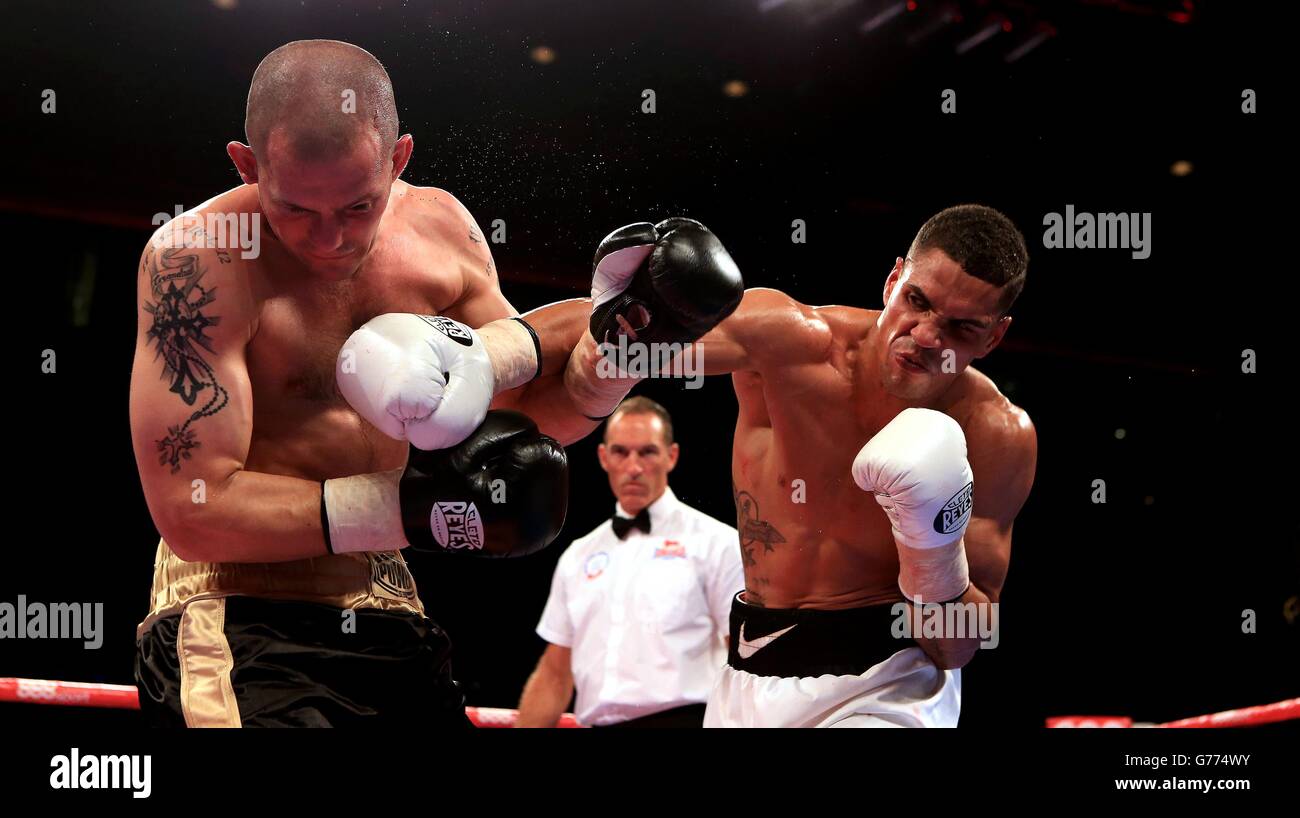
[{"x": 747, "y": 648}]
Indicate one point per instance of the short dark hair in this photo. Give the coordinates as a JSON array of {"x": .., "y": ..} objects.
[
  {"x": 299, "y": 87},
  {"x": 643, "y": 406},
  {"x": 983, "y": 241}
]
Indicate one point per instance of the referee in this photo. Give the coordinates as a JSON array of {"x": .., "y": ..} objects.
[{"x": 638, "y": 613}]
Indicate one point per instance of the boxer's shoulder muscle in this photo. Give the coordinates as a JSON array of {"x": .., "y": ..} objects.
[
  {"x": 848, "y": 327},
  {"x": 785, "y": 344},
  {"x": 835, "y": 333},
  {"x": 1001, "y": 442},
  {"x": 985, "y": 413},
  {"x": 980, "y": 398},
  {"x": 440, "y": 220},
  {"x": 847, "y": 322},
  {"x": 774, "y": 331},
  {"x": 190, "y": 278},
  {"x": 432, "y": 211}
]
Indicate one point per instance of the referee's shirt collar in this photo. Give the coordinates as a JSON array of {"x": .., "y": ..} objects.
[{"x": 659, "y": 510}]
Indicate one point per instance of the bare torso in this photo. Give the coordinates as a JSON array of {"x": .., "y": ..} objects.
[
  {"x": 823, "y": 542},
  {"x": 302, "y": 427}
]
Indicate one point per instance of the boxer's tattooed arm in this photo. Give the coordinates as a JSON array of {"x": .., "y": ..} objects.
[
  {"x": 181, "y": 310},
  {"x": 474, "y": 235}
]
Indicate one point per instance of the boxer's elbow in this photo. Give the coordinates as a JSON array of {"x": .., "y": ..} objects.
[
  {"x": 960, "y": 653},
  {"x": 190, "y": 529},
  {"x": 950, "y": 654},
  {"x": 952, "y": 663},
  {"x": 185, "y": 539}
]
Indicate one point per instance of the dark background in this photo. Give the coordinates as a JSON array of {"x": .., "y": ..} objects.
[{"x": 1132, "y": 607}]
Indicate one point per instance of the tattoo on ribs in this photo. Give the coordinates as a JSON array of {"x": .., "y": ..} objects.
[
  {"x": 179, "y": 331},
  {"x": 753, "y": 530}
]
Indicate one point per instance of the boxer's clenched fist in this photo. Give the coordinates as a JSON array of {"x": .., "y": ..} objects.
[
  {"x": 664, "y": 283},
  {"x": 425, "y": 379},
  {"x": 502, "y": 492},
  {"x": 917, "y": 469}
]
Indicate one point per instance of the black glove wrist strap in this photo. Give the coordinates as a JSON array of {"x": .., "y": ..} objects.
[
  {"x": 537, "y": 346},
  {"x": 325, "y": 520}
]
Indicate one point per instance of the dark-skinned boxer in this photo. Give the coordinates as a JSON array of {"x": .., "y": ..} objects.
[{"x": 873, "y": 469}]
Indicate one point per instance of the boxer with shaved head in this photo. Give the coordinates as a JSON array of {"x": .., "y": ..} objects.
[{"x": 351, "y": 383}]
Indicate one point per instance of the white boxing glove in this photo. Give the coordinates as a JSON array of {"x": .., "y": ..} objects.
[
  {"x": 424, "y": 379},
  {"x": 917, "y": 468}
]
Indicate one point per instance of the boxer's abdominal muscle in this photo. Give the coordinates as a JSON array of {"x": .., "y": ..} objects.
[{"x": 810, "y": 544}]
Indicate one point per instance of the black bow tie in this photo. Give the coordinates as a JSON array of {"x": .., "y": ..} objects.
[{"x": 622, "y": 525}]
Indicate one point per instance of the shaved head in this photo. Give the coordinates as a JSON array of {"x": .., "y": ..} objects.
[
  {"x": 317, "y": 99},
  {"x": 323, "y": 151}
]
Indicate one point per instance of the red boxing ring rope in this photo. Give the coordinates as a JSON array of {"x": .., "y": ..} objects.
[
  {"x": 1242, "y": 717},
  {"x": 42, "y": 691}
]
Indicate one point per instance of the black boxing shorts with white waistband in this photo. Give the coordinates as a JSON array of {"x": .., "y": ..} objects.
[
  {"x": 332, "y": 641},
  {"x": 803, "y": 642}
]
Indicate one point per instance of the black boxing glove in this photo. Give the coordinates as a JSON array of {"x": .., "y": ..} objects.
[
  {"x": 446, "y": 501},
  {"x": 668, "y": 283},
  {"x": 451, "y": 500}
]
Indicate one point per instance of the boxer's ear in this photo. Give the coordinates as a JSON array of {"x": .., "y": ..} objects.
[
  {"x": 892, "y": 280},
  {"x": 402, "y": 150},
  {"x": 995, "y": 336},
  {"x": 245, "y": 161}
]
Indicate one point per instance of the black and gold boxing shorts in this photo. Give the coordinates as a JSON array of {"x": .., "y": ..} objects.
[
  {"x": 330, "y": 641},
  {"x": 243, "y": 661}
]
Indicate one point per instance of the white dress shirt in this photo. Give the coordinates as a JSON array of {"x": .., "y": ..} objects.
[{"x": 646, "y": 616}]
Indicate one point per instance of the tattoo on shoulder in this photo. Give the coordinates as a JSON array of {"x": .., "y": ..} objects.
[
  {"x": 754, "y": 531},
  {"x": 181, "y": 310},
  {"x": 474, "y": 235}
]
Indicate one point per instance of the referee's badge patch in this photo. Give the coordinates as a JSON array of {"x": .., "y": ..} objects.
[
  {"x": 596, "y": 564},
  {"x": 671, "y": 549}
]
